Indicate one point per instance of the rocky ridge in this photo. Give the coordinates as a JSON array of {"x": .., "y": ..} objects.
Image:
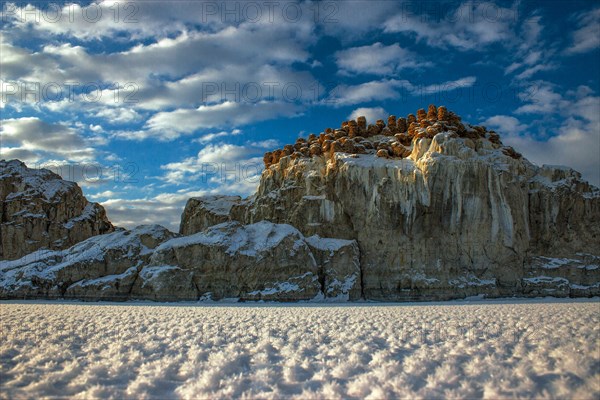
[
  {"x": 261, "y": 261},
  {"x": 442, "y": 210},
  {"x": 40, "y": 210},
  {"x": 423, "y": 208}
]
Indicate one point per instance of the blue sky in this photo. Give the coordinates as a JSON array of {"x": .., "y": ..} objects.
[{"x": 148, "y": 103}]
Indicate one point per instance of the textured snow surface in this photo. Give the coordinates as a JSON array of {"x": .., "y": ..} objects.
[{"x": 534, "y": 349}]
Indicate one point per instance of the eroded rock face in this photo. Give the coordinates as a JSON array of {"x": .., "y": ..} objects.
[
  {"x": 203, "y": 212},
  {"x": 262, "y": 261},
  {"x": 40, "y": 210},
  {"x": 339, "y": 267},
  {"x": 102, "y": 267},
  {"x": 456, "y": 217},
  {"x": 441, "y": 211}
]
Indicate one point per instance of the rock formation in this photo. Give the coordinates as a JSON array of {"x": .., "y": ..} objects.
[
  {"x": 443, "y": 213},
  {"x": 202, "y": 212},
  {"x": 262, "y": 261},
  {"x": 426, "y": 208},
  {"x": 40, "y": 210}
]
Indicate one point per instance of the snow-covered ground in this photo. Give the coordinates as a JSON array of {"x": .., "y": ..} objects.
[{"x": 530, "y": 348}]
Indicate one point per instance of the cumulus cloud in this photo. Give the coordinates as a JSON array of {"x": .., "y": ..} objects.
[
  {"x": 541, "y": 97},
  {"x": 372, "y": 114},
  {"x": 377, "y": 59},
  {"x": 162, "y": 210},
  {"x": 218, "y": 163},
  {"x": 569, "y": 133},
  {"x": 169, "y": 125},
  {"x": 577, "y": 145},
  {"x": 32, "y": 139},
  {"x": 505, "y": 124}
]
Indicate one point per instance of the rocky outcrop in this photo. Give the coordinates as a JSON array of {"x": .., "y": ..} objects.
[
  {"x": 102, "y": 267},
  {"x": 457, "y": 214},
  {"x": 202, "y": 212},
  {"x": 262, "y": 261},
  {"x": 425, "y": 208},
  {"x": 40, "y": 210}
]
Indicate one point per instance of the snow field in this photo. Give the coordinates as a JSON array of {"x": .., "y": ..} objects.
[{"x": 542, "y": 349}]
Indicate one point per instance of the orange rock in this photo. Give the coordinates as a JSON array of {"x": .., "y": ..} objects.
[
  {"x": 442, "y": 114},
  {"x": 268, "y": 159},
  {"x": 392, "y": 123},
  {"x": 373, "y": 130},
  {"x": 401, "y": 125},
  {"x": 383, "y": 153},
  {"x": 362, "y": 123},
  {"x": 315, "y": 149},
  {"x": 432, "y": 113},
  {"x": 403, "y": 138},
  {"x": 421, "y": 114},
  {"x": 352, "y": 128}
]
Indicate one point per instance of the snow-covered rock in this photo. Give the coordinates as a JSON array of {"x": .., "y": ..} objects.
[
  {"x": 164, "y": 283},
  {"x": 461, "y": 215},
  {"x": 203, "y": 212},
  {"x": 97, "y": 268},
  {"x": 40, "y": 210},
  {"x": 445, "y": 211},
  {"x": 262, "y": 261}
]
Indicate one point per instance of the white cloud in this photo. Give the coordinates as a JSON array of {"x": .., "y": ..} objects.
[
  {"x": 372, "y": 114},
  {"x": 568, "y": 135},
  {"x": 577, "y": 145},
  {"x": 218, "y": 163},
  {"x": 352, "y": 20},
  {"x": 209, "y": 137},
  {"x": 164, "y": 210},
  {"x": 471, "y": 26},
  {"x": 377, "y": 59},
  {"x": 533, "y": 54},
  {"x": 365, "y": 92},
  {"x": 587, "y": 36},
  {"x": 169, "y": 125},
  {"x": 541, "y": 97},
  {"x": 118, "y": 115},
  {"x": 505, "y": 124},
  {"x": 33, "y": 139},
  {"x": 387, "y": 89},
  {"x": 218, "y": 168},
  {"x": 264, "y": 144}
]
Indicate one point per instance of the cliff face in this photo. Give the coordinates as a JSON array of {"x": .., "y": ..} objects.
[
  {"x": 453, "y": 214},
  {"x": 40, "y": 210}
]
